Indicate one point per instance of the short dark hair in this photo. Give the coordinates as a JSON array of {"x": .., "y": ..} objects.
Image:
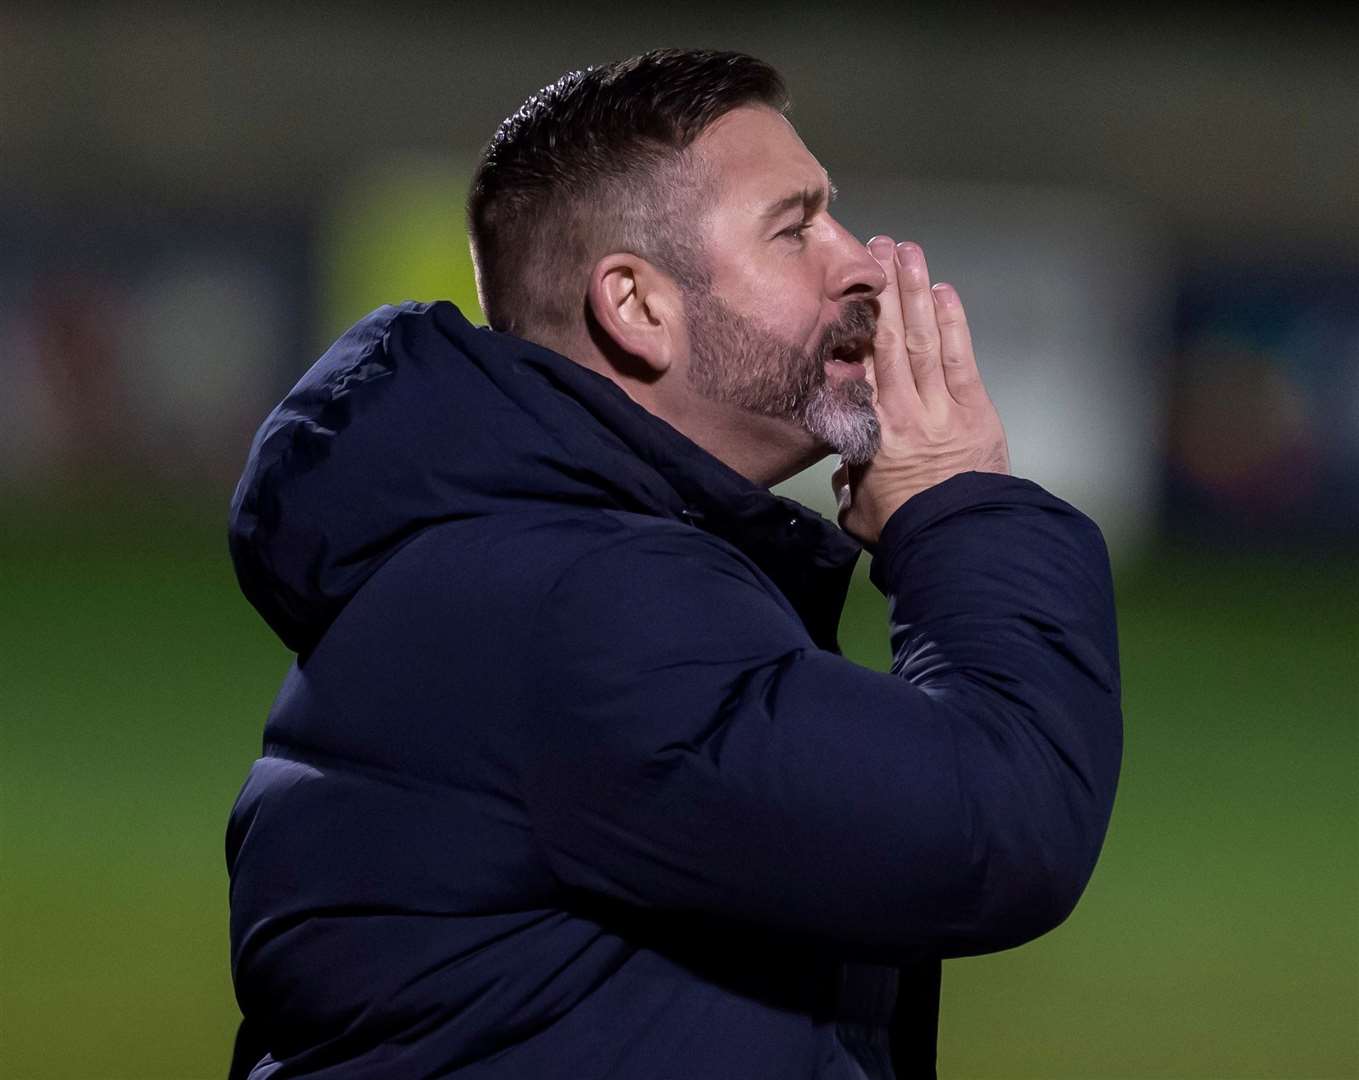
[{"x": 598, "y": 162}]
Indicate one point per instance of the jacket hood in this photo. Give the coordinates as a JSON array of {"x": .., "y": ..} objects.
[{"x": 415, "y": 417}]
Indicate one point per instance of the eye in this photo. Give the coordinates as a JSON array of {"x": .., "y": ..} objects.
[{"x": 797, "y": 232}]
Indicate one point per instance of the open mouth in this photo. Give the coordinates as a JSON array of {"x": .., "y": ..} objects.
[{"x": 852, "y": 351}]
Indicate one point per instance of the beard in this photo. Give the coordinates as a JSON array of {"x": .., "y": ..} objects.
[{"x": 736, "y": 360}]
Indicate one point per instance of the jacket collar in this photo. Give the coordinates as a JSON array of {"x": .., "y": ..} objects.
[
  {"x": 808, "y": 558},
  {"x": 416, "y": 417}
]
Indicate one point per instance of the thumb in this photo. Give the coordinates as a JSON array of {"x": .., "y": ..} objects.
[
  {"x": 840, "y": 486},
  {"x": 840, "y": 481}
]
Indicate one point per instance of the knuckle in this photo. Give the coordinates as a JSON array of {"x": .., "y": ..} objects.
[
  {"x": 913, "y": 279},
  {"x": 921, "y": 341}
]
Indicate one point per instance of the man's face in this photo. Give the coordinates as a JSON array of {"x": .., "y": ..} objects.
[{"x": 783, "y": 326}]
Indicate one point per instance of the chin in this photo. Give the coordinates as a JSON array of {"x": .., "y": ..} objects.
[{"x": 841, "y": 418}]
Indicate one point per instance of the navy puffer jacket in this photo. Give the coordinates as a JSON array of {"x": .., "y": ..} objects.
[{"x": 569, "y": 780}]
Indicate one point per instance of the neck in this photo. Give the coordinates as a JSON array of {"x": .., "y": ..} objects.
[{"x": 763, "y": 449}]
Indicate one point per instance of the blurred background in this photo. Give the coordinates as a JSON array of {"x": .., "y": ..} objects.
[{"x": 1154, "y": 221}]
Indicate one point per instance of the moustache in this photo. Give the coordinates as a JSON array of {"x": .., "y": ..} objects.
[{"x": 852, "y": 332}]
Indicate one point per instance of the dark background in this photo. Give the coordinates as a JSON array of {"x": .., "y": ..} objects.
[{"x": 1153, "y": 219}]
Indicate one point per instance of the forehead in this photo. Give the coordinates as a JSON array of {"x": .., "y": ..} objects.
[{"x": 755, "y": 156}]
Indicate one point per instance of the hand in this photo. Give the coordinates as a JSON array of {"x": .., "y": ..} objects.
[{"x": 936, "y": 417}]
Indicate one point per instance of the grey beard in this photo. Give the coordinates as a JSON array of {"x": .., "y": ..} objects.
[
  {"x": 845, "y": 420},
  {"x": 737, "y": 361}
]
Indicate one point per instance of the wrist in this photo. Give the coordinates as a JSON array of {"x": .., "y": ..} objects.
[{"x": 958, "y": 494}]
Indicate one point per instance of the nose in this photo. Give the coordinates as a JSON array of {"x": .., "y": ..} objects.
[{"x": 852, "y": 272}]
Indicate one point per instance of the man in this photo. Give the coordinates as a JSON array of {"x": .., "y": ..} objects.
[{"x": 569, "y": 779}]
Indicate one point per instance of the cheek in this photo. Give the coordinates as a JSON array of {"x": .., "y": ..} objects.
[
  {"x": 785, "y": 298},
  {"x": 796, "y": 317}
]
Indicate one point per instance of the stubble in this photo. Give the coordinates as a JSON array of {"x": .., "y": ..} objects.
[{"x": 736, "y": 360}]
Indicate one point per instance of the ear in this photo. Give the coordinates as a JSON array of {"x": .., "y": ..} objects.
[{"x": 639, "y": 308}]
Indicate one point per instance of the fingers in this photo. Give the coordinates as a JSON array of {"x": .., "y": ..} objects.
[
  {"x": 957, "y": 358},
  {"x": 889, "y": 373},
  {"x": 923, "y": 346},
  {"x": 923, "y": 343}
]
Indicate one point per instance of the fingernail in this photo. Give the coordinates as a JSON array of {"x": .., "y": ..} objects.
[
  {"x": 945, "y": 294},
  {"x": 881, "y": 247},
  {"x": 906, "y": 251}
]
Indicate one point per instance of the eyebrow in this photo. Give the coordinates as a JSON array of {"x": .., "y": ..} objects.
[{"x": 808, "y": 200}]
